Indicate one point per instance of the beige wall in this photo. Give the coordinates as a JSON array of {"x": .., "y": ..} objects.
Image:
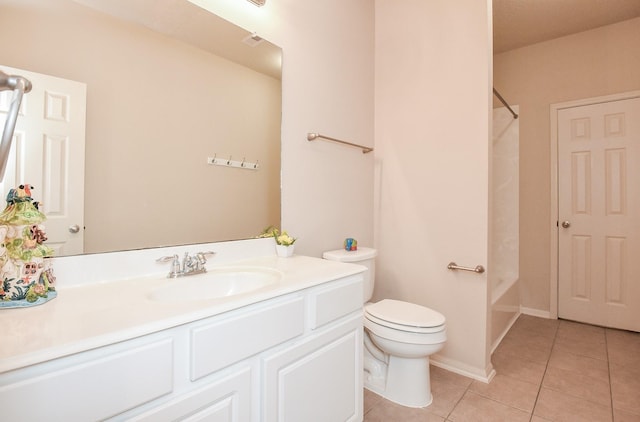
[
  {"x": 156, "y": 109},
  {"x": 589, "y": 64},
  {"x": 432, "y": 171},
  {"x": 327, "y": 82},
  {"x": 433, "y": 68}
]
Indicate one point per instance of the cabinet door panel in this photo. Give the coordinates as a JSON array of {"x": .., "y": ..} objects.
[
  {"x": 226, "y": 400},
  {"x": 317, "y": 380}
]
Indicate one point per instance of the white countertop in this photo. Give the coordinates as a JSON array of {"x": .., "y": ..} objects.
[{"x": 90, "y": 315}]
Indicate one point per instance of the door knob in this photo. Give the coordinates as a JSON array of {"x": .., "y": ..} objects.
[
  {"x": 566, "y": 224},
  {"x": 74, "y": 229}
]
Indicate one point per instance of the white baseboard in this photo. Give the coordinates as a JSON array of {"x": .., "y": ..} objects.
[
  {"x": 535, "y": 312},
  {"x": 461, "y": 369},
  {"x": 488, "y": 374}
]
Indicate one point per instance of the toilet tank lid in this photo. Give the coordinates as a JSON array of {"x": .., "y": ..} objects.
[{"x": 350, "y": 256}]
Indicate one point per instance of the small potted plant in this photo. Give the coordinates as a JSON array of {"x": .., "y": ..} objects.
[{"x": 284, "y": 242}]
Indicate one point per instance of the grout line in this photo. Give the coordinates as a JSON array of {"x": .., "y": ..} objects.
[
  {"x": 546, "y": 366},
  {"x": 606, "y": 349},
  {"x": 459, "y": 400}
]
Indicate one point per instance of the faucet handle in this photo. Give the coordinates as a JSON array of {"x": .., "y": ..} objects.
[
  {"x": 201, "y": 256},
  {"x": 167, "y": 258}
]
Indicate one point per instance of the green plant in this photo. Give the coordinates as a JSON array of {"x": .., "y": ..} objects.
[{"x": 281, "y": 238}]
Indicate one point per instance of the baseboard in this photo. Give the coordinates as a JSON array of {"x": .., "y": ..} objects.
[
  {"x": 535, "y": 312},
  {"x": 461, "y": 369},
  {"x": 473, "y": 372}
]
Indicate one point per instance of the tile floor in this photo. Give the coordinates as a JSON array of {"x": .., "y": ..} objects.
[{"x": 546, "y": 370}]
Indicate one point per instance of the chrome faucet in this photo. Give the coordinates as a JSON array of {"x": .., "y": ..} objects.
[{"x": 190, "y": 265}]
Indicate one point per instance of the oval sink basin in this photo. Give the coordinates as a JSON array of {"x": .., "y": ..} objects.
[{"x": 215, "y": 284}]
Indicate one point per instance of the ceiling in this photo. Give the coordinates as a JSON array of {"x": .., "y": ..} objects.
[
  {"x": 517, "y": 23},
  {"x": 187, "y": 22}
]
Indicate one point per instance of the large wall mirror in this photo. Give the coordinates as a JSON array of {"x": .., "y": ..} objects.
[{"x": 168, "y": 86}]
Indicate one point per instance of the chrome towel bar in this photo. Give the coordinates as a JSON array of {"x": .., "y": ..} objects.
[
  {"x": 314, "y": 136},
  {"x": 453, "y": 266}
]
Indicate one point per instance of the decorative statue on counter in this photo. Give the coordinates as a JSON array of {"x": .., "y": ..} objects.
[{"x": 25, "y": 272}]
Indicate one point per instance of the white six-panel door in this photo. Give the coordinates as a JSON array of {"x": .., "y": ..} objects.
[
  {"x": 599, "y": 213},
  {"x": 48, "y": 153}
]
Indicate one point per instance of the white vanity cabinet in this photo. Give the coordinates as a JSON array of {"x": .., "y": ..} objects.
[
  {"x": 296, "y": 357},
  {"x": 319, "y": 378}
]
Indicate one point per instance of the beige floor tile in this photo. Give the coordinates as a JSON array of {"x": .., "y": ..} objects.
[
  {"x": 442, "y": 375},
  {"x": 563, "y": 359},
  {"x": 623, "y": 347},
  {"x": 622, "y": 416},
  {"x": 533, "y": 352},
  {"x": 446, "y": 395},
  {"x": 560, "y": 407},
  {"x": 509, "y": 391},
  {"x": 386, "y": 411},
  {"x": 596, "y": 390},
  {"x": 516, "y": 367},
  {"x": 370, "y": 400},
  {"x": 625, "y": 388},
  {"x": 476, "y": 408},
  {"x": 530, "y": 324},
  {"x": 583, "y": 347},
  {"x": 582, "y": 332},
  {"x": 539, "y": 419},
  {"x": 531, "y": 338}
]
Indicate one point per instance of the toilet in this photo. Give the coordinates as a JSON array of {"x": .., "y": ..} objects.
[{"x": 399, "y": 337}]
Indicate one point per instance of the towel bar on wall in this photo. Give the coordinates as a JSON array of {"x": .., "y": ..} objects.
[
  {"x": 506, "y": 104},
  {"x": 313, "y": 136},
  {"x": 477, "y": 269}
]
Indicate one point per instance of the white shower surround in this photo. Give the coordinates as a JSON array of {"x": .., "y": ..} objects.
[
  {"x": 504, "y": 270},
  {"x": 505, "y": 190}
]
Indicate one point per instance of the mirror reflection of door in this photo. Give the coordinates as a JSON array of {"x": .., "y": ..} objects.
[
  {"x": 599, "y": 213},
  {"x": 49, "y": 135}
]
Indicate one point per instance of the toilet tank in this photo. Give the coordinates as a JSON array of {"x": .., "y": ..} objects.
[{"x": 362, "y": 256}]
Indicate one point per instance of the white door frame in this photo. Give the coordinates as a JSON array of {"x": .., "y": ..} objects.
[{"x": 553, "y": 118}]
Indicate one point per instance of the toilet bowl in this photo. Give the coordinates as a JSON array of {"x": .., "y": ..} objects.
[
  {"x": 399, "y": 337},
  {"x": 407, "y": 334}
]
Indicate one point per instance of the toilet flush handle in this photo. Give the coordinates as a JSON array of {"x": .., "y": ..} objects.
[{"x": 477, "y": 269}]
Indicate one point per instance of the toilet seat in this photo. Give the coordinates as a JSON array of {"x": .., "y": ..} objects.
[
  {"x": 437, "y": 335},
  {"x": 404, "y": 316}
]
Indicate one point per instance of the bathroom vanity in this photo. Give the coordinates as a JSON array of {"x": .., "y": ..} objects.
[{"x": 108, "y": 349}]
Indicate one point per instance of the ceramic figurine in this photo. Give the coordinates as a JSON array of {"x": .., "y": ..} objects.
[
  {"x": 25, "y": 272},
  {"x": 350, "y": 244}
]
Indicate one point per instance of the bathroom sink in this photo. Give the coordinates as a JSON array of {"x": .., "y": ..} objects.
[{"x": 215, "y": 284}]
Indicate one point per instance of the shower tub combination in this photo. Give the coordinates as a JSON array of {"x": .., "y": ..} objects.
[{"x": 503, "y": 279}]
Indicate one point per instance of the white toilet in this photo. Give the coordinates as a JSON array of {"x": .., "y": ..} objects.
[{"x": 399, "y": 338}]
